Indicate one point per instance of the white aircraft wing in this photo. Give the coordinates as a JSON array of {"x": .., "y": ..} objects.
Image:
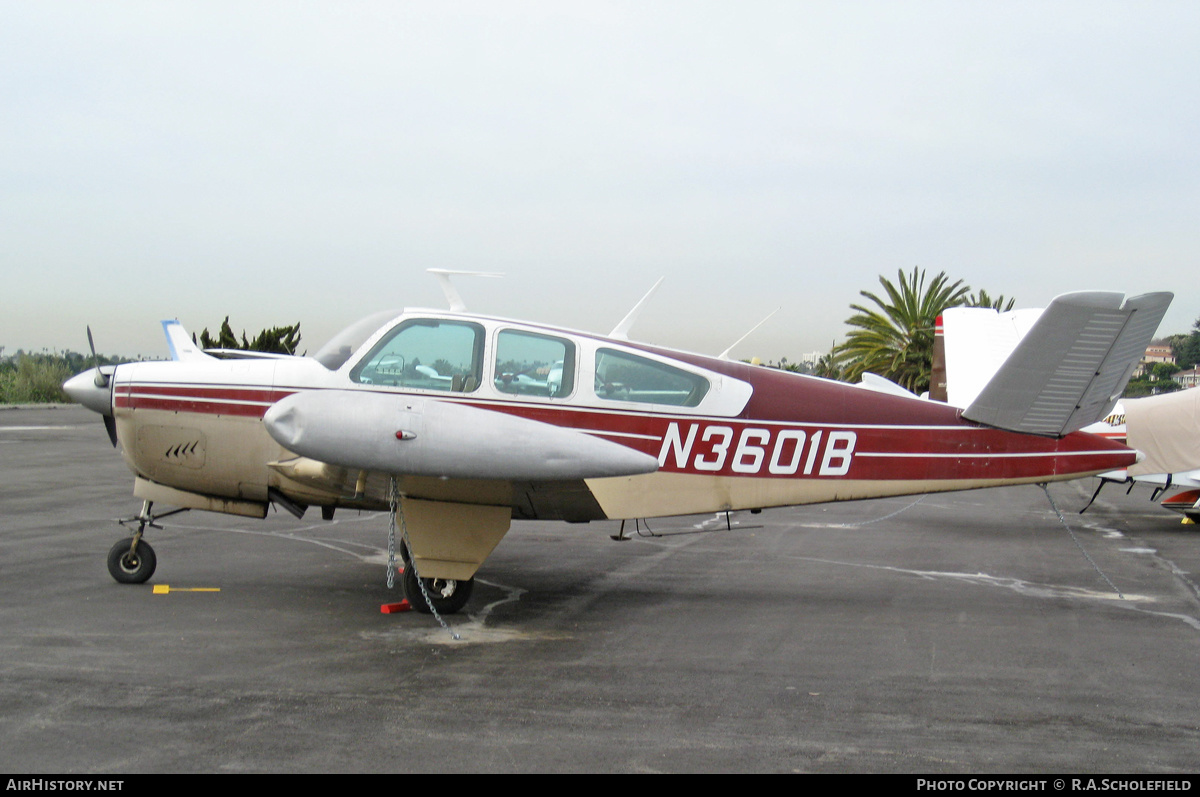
[
  {"x": 880, "y": 384},
  {"x": 1070, "y": 368},
  {"x": 246, "y": 354}
]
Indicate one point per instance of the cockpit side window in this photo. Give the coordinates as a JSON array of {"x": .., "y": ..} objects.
[
  {"x": 426, "y": 354},
  {"x": 530, "y": 364},
  {"x": 621, "y": 376}
]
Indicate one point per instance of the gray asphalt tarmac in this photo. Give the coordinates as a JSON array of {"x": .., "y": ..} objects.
[{"x": 965, "y": 633}]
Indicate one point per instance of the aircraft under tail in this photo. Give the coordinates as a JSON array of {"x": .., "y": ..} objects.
[
  {"x": 1073, "y": 364},
  {"x": 1166, "y": 429}
]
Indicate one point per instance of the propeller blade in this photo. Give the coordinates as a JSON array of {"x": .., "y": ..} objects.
[
  {"x": 101, "y": 377},
  {"x": 91, "y": 399}
]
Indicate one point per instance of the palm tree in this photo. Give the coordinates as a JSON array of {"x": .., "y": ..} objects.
[
  {"x": 983, "y": 300},
  {"x": 829, "y": 366},
  {"x": 896, "y": 339}
]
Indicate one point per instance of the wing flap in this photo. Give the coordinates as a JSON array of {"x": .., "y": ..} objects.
[{"x": 1071, "y": 367}]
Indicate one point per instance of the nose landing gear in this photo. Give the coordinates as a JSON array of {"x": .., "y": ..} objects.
[{"x": 132, "y": 561}]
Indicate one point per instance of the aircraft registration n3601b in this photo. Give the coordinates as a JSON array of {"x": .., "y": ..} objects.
[{"x": 460, "y": 423}]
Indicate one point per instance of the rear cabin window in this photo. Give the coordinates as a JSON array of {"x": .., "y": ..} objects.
[
  {"x": 529, "y": 364},
  {"x": 426, "y": 354},
  {"x": 626, "y": 377}
]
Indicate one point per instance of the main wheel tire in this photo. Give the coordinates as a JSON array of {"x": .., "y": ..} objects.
[
  {"x": 134, "y": 567},
  {"x": 447, "y": 596}
]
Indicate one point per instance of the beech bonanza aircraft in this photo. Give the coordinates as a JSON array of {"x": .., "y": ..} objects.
[{"x": 459, "y": 423}]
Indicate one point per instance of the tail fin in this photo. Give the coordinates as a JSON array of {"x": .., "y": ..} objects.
[
  {"x": 1072, "y": 366},
  {"x": 975, "y": 343},
  {"x": 181, "y": 346}
]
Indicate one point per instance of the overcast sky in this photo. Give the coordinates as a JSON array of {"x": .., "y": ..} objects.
[{"x": 306, "y": 161}]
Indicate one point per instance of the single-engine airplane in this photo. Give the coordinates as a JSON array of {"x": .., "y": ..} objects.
[{"x": 459, "y": 423}]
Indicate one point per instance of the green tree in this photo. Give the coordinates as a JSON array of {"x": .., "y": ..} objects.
[
  {"x": 276, "y": 340},
  {"x": 983, "y": 300},
  {"x": 34, "y": 378},
  {"x": 895, "y": 338},
  {"x": 1154, "y": 380},
  {"x": 828, "y": 367},
  {"x": 1187, "y": 347},
  {"x": 784, "y": 365}
]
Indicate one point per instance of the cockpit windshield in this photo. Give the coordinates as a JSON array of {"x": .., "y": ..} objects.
[{"x": 334, "y": 354}]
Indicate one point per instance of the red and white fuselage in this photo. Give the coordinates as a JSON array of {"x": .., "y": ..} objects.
[{"x": 757, "y": 437}]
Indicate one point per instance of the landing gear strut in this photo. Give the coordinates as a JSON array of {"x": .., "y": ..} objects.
[{"x": 133, "y": 561}]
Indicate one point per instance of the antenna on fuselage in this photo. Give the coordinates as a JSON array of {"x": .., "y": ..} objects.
[
  {"x": 725, "y": 354},
  {"x": 443, "y": 277},
  {"x": 621, "y": 330}
]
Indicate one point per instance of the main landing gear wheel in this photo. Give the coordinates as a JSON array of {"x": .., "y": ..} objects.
[
  {"x": 448, "y": 596},
  {"x": 130, "y": 564}
]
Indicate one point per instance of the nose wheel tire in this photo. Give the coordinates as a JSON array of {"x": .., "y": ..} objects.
[
  {"x": 448, "y": 596},
  {"x": 131, "y": 566}
]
